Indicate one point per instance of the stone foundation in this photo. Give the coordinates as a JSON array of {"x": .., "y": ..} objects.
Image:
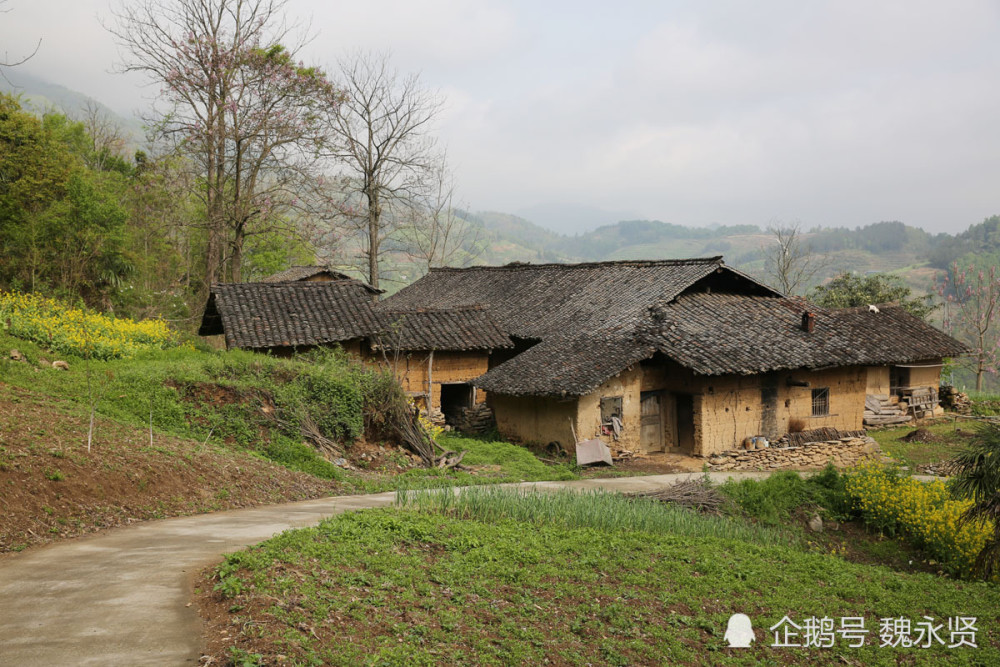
[
  {"x": 844, "y": 453},
  {"x": 478, "y": 419}
]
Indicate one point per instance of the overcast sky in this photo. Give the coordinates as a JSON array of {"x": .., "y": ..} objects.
[{"x": 827, "y": 113}]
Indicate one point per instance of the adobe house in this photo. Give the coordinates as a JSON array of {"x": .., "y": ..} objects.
[
  {"x": 675, "y": 355},
  {"x": 435, "y": 353}
]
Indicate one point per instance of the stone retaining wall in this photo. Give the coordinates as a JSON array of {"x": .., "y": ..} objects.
[{"x": 844, "y": 453}]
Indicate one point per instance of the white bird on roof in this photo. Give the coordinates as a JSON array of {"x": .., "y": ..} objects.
[{"x": 872, "y": 308}]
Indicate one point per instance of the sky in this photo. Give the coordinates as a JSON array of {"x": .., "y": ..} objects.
[{"x": 574, "y": 114}]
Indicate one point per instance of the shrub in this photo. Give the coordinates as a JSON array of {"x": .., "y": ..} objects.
[
  {"x": 923, "y": 511},
  {"x": 977, "y": 477},
  {"x": 773, "y": 500}
]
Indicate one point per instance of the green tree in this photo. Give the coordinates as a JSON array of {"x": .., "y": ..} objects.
[
  {"x": 848, "y": 290},
  {"x": 63, "y": 224}
]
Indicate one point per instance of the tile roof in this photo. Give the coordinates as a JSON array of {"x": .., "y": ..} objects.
[
  {"x": 262, "y": 315},
  {"x": 463, "y": 328},
  {"x": 290, "y": 314},
  {"x": 566, "y": 365},
  {"x": 300, "y": 272},
  {"x": 538, "y": 300},
  {"x": 715, "y": 334}
]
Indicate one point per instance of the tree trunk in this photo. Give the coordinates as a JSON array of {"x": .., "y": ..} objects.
[
  {"x": 236, "y": 261},
  {"x": 374, "y": 215}
]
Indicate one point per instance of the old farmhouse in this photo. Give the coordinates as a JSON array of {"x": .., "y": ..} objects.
[
  {"x": 435, "y": 353},
  {"x": 681, "y": 355}
]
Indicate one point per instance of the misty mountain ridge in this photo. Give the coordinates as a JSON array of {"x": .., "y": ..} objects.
[
  {"x": 575, "y": 232},
  {"x": 40, "y": 95}
]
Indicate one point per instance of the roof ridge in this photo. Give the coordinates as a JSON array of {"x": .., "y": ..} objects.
[
  {"x": 433, "y": 309},
  {"x": 517, "y": 266},
  {"x": 300, "y": 284}
]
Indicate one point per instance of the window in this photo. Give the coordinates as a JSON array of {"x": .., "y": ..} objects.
[
  {"x": 611, "y": 406},
  {"x": 821, "y": 401}
]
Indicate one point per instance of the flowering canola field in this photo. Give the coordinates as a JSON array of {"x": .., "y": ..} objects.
[
  {"x": 62, "y": 328},
  {"x": 925, "y": 511}
]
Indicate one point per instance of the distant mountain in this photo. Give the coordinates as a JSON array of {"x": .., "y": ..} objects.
[
  {"x": 570, "y": 218},
  {"x": 40, "y": 95},
  {"x": 882, "y": 246}
]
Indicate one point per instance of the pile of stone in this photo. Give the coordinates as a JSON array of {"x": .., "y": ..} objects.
[
  {"x": 954, "y": 400},
  {"x": 843, "y": 452},
  {"x": 477, "y": 419},
  {"x": 16, "y": 355},
  {"x": 881, "y": 409},
  {"x": 434, "y": 416},
  {"x": 939, "y": 468}
]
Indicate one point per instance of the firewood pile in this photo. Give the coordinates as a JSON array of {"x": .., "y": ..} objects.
[
  {"x": 696, "y": 494},
  {"x": 954, "y": 400},
  {"x": 881, "y": 409},
  {"x": 622, "y": 455}
]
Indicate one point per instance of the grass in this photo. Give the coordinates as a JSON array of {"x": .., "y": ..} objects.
[
  {"x": 951, "y": 435},
  {"x": 773, "y": 501},
  {"x": 230, "y": 399},
  {"x": 608, "y": 512},
  {"x": 514, "y": 578},
  {"x": 492, "y": 462}
]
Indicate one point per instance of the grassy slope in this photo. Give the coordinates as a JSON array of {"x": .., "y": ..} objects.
[
  {"x": 950, "y": 437},
  {"x": 204, "y": 457},
  {"x": 408, "y": 588},
  {"x": 51, "y": 487}
]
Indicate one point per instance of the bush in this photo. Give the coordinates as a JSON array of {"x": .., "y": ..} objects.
[
  {"x": 773, "y": 500},
  {"x": 923, "y": 511}
]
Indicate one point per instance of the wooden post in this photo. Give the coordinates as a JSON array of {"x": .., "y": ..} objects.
[{"x": 430, "y": 385}]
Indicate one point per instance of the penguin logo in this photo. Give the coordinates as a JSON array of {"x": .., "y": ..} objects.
[{"x": 739, "y": 632}]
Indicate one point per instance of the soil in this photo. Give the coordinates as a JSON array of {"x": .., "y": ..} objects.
[
  {"x": 52, "y": 487},
  {"x": 649, "y": 464}
]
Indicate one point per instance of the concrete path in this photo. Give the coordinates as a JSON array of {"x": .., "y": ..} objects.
[{"x": 121, "y": 597}]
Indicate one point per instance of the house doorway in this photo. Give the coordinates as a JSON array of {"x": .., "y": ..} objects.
[
  {"x": 650, "y": 422},
  {"x": 685, "y": 422},
  {"x": 454, "y": 399},
  {"x": 769, "y": 407}
]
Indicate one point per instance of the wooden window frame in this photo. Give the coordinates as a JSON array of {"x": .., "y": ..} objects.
[{"x": 821, "y": 402}]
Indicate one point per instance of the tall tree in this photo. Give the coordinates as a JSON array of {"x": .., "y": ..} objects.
[
  {"x": 381, "y": 138},
  {"x": 972, "y": 314},
  {"x": 847, "y": 290},
  {"x": 63, "y": 223},
  {"x": 789, "y": 261},
  {"x": 240, "y": 107}
]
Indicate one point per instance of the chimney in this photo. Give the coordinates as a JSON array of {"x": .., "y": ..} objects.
[{"x": 808, "y": 322}]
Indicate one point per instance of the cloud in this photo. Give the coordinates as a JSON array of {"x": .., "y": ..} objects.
[{"x": 838, "y": 112}]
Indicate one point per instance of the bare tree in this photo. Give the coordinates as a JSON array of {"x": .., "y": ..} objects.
[
  {"x": 972, "y": 313},
  {"x": 6, "y": 62},
  {"x": 382, "y": 143},
  {"x": 107, "y": 139},
  {"x": 438, "y": 236},
  {"x": 241, "y": 108},
  {"x": 789, "y": 262}
]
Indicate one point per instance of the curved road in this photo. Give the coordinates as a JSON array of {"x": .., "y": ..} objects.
[{"x": 121, "y": 597}]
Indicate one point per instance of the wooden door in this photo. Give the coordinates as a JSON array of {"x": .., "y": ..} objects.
[{"x": 651, "y": 423}]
